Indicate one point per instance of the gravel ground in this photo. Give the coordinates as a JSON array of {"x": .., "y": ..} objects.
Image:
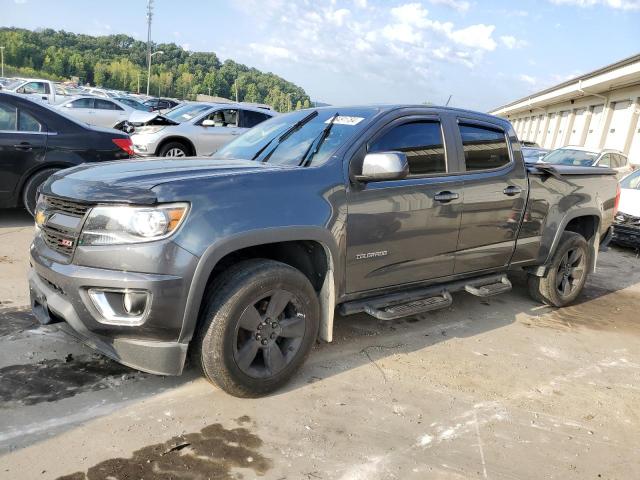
[{"x": 504, "y": 388}]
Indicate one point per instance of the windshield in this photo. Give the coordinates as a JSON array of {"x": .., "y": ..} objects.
[
  {"x": 534, "y": 154},
  {"x": 187, "y": 112},
  {"x": 133, "y": 104},
  {"x": 571, "y": 157},
  {"x": 13, "y": 84},
  {"x": 631, "y": 181},
  {"x": 291, "y": 150}
]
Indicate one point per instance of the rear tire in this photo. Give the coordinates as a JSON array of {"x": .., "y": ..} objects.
[
  {"x": 30, "y": 190},
  {"x": 566, "y": 273},
  {"x": 174, "y": 149},
  {"x": 259, "y": 321}
]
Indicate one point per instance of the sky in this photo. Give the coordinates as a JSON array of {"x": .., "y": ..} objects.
[{"x": 481, "y": 53}]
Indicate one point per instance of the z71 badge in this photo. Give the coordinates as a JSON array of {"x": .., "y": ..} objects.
[{"x": 362, "y": 256}]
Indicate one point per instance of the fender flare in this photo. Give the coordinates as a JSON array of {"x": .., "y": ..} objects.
[{"x": 218, "y": 250}]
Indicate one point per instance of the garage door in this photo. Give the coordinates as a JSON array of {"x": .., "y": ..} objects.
[
  {"x": 537, "y": 129},
  {"x": 562, "y": 129},
  {"x": 634, "y": 151},
  {"x": 553, "y": 126},
  {"x": 525, "y": 128},
  {"x": 619, "y": 126},
  {"x": 575, "y": 137},
  {"x": 593, "y": 134}
]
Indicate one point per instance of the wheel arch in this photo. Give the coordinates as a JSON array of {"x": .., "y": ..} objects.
[
  {"x": 309, "y": 249},
  {"x": 19, "y": 190},
  {"x": 176, "y": 138}
]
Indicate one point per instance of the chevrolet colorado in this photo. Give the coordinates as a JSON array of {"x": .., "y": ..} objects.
[{"x": 241, "y": 259}]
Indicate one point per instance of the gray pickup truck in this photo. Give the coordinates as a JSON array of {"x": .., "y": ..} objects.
[{"x": 241, "y": 259}]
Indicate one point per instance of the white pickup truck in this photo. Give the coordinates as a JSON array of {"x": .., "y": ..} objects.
[{"x": 43, "y": 90}]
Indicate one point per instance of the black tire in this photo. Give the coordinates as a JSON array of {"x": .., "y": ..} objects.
[
  {"x": 30, "y": 189},
  {"x": 173, "y": 149},
  {"x": 566, "y": 274},
  {"x": 230, "y": 332}
]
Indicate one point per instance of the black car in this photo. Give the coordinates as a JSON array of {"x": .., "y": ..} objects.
[
  {"x": 160, "y": 103},
  {"x": 36, "y": 141}
]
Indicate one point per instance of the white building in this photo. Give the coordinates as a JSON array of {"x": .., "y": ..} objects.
[{"x": 597, "y": 110}]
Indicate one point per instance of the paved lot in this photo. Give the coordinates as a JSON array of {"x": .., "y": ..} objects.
[{"x": 503, "y": 388}]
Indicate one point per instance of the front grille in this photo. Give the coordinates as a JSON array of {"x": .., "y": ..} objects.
[
  {"x": 65, "y": 206},
  {"x": 58, "y": 239}
]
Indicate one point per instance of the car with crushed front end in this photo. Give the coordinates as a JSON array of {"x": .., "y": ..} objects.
[
  {"x": 241, "y": 259},
  {"x": 626, "y": 226}
]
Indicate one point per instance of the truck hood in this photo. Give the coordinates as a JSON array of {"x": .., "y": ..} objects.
[
  {"x": 139, "y": 118},
  {"x": 131, "y": 181},
  {"x": 630, "y": 202}
]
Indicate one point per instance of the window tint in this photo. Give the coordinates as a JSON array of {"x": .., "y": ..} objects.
[
  {"x": 484, "y": 148},
  {"x": 621, "y": 161},
  {"x": 35, "y": 87},
  {"x": 26, "y": 123},
  {"x": 82, "y": 103},
  {"x": 250, "y": 119},
  {"x": 420, "y": 141},
  {"x": 224, "y": 118},
  {"x": 8, "y": 117},
  {"x": 106, "y": 105},
  {"x": 631, "y": 181}
]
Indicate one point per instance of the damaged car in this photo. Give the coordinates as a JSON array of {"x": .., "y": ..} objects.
[
  {"x": 192, "y": 129},
  {"x": 626, "y": 227}
]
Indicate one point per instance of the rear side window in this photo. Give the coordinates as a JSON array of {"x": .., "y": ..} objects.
[
  {"x": 249, "y": 119},
  {"x": 82, "y": 103},
  {"x": 8, "y": 117},
  {"x": 420, "y": 141},
  {"x": 605, "y": 161},
  {"x": 484, "y": 148}
]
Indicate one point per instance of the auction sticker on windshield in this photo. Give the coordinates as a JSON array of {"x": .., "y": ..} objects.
[{"x": 341, "y": 120}]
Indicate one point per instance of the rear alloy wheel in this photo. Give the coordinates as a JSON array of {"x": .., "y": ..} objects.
[
  {"x": 259, "y": 322},
  {"x": 174, "y": 149},
  {"x": 566, "y": 274}
]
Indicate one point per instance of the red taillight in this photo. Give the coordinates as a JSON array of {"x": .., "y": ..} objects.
[
  {"x": 617, "y": 202},
  {"x": 125, "y": 144}
]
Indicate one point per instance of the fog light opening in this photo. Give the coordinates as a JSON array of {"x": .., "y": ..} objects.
[
  {"x": 134, "y": 303},
  {"x": 120, "y": 306}
]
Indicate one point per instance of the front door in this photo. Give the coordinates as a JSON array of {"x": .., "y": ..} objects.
[
  {"x": 23, "y": 142},
  {"x": 405, "y": 231},
  {"x": 208, "y": 139},
  {"x": 495, "y": 193}
]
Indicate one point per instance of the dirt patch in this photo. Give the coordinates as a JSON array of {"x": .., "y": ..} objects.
[
  {"x": 5, "y": 259},
  {"x": 14, "y": 321},
  {"x": 210, "y": 454},
  {"x": 52, "y": 380}
]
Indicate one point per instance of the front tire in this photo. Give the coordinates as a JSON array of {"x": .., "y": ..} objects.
[
  {"x": 174, "y": 149},
  {"x": 260, "y": 320},
  {"x": 566, "y": 274},
  {"x": 30, "y": 190}
]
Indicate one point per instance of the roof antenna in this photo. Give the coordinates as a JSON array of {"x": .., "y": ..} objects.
[{"x": 447, "y": 104}]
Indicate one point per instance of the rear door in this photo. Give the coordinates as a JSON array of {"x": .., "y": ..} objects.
[
  {"x": 82, "y": 109},
  {"x": 398, "y": 231},
  {"x": 23, "y": 142},
  {"x": 495, "y": 193},
  {"x": 107, "y": 113}
]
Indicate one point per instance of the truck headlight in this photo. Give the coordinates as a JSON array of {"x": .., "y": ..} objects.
[{"x": 119, "y": 225}]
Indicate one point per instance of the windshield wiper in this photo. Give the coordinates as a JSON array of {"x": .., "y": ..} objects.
[
  {"x": 317, "y": 143},
  {"x": 287, "y": 133}
]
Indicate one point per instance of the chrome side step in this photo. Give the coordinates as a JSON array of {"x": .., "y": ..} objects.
[{"x": 480, "y": 289}]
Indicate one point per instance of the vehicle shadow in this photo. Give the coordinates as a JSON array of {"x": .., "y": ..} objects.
[{"x": 15, "y": 217}]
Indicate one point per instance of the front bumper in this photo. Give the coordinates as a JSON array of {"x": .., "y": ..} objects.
[{"x": 60, "y": 292}]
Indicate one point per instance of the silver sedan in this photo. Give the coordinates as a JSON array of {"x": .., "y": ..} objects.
[{"x": 194, "y": 128}]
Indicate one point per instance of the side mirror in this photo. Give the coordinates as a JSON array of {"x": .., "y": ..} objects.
[
  {"x": 378, "y": 167},
  {"x": 208, "y": 123}
]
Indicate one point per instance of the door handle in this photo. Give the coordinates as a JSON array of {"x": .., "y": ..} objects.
[
  {"x": 26, "y": 146},
  {"x": 445, "y": 197},
  {"x": 512, "y": 191}
]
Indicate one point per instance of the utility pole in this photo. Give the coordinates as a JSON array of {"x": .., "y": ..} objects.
[
  {"x": 235, "y": 84},
  {"x": 149, "y": 17},
  {"x": 138, "y": 82},
  {"x": 2, "y": 55}
]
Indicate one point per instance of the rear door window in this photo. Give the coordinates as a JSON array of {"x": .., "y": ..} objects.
[
  {"x": 82, "y": 103},
  {"x": 485, "y": 148},
  {"x": 8, "y": 117},
  {"x": 420, "y": 141},
  {"x": 106, "y": 105},
  {"x": 249, "y": 118},
  {"x": 28, "y": 123}
]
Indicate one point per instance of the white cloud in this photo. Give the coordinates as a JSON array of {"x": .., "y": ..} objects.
[
  {"x": 272, "y": 51},
  {"x": 459, "y": 5},
  {"x": 477, "y": 36},
  {"x": 337, "y": 17},
  {"x": 512, "y": 42},
  {"x": 360, "y": 3},
  {"x": 617, "y": 4},
  {"x": 20, "y": 2},
  {"x": 527, "y": 79}
]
